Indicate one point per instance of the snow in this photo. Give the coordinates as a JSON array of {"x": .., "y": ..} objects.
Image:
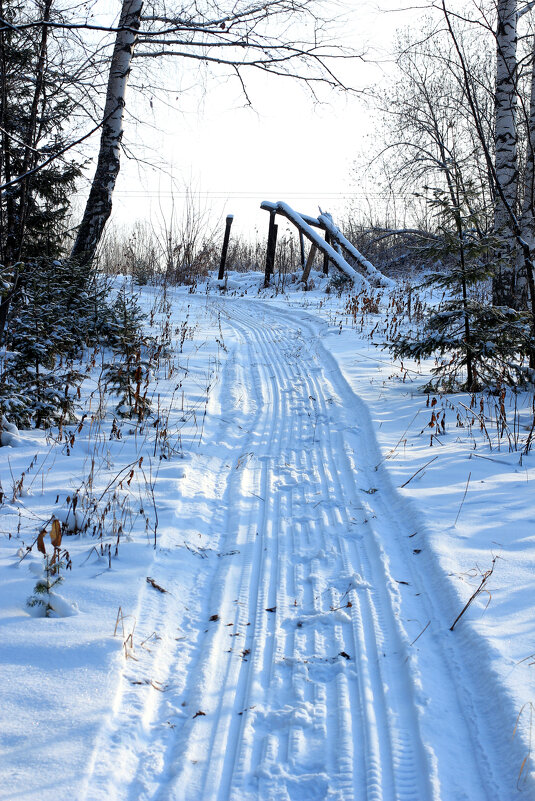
[
  {"x": 9, "y": 434},
  {"x": 315, "y": 540}
]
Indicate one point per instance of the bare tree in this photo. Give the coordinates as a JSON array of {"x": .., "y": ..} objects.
[
  {"x": 465, "y": 104},
  {"x": 278, "y": 37},
  {"x": 431, "y": 143}
]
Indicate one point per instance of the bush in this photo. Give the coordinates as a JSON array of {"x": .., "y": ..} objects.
[{"x": 58, "y": 311}]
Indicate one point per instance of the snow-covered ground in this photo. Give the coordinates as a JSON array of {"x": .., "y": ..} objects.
[{"x": 310, "y": 539}]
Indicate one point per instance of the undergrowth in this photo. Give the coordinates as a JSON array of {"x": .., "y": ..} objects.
[{"x": 140, "y": 403}]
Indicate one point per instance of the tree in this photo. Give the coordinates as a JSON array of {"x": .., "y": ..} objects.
[
  {"x": 512, "y": 145},
  {"x": 516, "y": 228},
  {"x": 39, "y": 98},
  {"x": 239, "y": 36},
  {"x": 527, "y": 215},
  {"x": 478, "y": 345},
  {"x": 430, "y": 139},
  {"x": 505, "y": 148},
  {"x": 454, "y": 126},
  {"x": 35, "y": 104},
  {"x": 99, "y": 202}
]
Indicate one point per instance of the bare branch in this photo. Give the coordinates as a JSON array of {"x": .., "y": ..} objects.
[{"x": 52, "y": 158}]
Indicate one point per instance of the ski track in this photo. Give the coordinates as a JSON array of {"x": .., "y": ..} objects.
[{"x": 319, "y": 698}]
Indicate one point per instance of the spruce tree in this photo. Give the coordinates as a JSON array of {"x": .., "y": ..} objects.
[
  {"x": 477, "y": 344},
  {"x": 128, "y": 375},
  {"x": 49, "y": 309},
  {"x": 36, "y": 104}
]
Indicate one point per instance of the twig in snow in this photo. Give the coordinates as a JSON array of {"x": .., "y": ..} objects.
[
  {"x": 489, "y": 459},
  {"x": 529, "y": 705},
  {"x": 155, "y": 585},
  {"x": 422, "y": 631},
  {"x": 348, "y": 605},
  {"x": 485, "y": 578},
  {"x": 400, "y": 440},
  {"x": 464, "y": 496},
  {"x": 531, "y": 656},
  {"x": 419, "y": 471},
  {"x": 150, "y": 637}
]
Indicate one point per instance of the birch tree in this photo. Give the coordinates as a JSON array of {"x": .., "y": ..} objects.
[
  {"x": 527, "y": 215},
  {"x": 505, "y": 146},
  {"x": 514, "y": 222},
  {"x": 99, "y": 202}
]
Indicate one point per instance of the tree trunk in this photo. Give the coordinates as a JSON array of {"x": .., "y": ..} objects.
[
  {"x": 527, "y": 219},
  {"x": 30, "y": 155},
  {"x": 8, "y": 217},
  {"x": 505, "y": 137},
  {"x": 98, "y": 206}
]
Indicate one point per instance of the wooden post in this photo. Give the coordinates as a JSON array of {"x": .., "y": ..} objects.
[
  {"x": 310, "y": 262},
  {"x": 272, "y": 263},
  {"x": 302, "y": 246},
  {"x": 271, "y": 245},
  {"x": 230, "y": 217},
  {"x": 325, "y": 257}
]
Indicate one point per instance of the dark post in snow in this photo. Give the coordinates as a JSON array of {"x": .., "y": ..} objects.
[
  {"x": 272, "y": 262},
  {"x": 271, "y": 245},
  {"x": 325, "y": 257},
  {"x": 302, "y": 247},
  {"x": 230, "y": 217},
  {"x": 310, "y": 261}
]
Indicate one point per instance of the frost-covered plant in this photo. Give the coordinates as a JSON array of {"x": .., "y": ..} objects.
[
  {"x": 338, "y": 282},
  {"x": 498, "y": 336},
  {"x": 38, "y": 378},
  {"x": 42, "y": 598},
  {"x": 129, "y": 374},
  {"x": 59, "y": 310}
]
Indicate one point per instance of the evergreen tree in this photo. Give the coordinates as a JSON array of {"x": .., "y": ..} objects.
[
  {"x": 128, "y": 375},
  {"x": 44, "y": 599},
  {"x": 477, "y": 345},
  {"x": 59, "y": 312},
  {"x": 36, "y": 103}
]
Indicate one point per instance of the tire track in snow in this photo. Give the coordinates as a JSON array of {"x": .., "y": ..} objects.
[
  {"x": 316, "y": 699},
  {"x": 475, "y": 755},
  {"x": 341, "y": 692}
]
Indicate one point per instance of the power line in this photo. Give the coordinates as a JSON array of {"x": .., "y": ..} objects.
[{"x": 262, "y": 195}]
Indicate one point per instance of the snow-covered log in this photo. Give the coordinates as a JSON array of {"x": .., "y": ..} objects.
[
  {"x": 286, "y": 211},
  {"x": 366, "y": 265}
]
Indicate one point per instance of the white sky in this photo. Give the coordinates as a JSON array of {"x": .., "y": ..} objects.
[{"x": 231, "y": 157}]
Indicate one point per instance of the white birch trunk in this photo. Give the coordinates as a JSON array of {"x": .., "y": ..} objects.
[
  {"x": 99, "y": 202},
  {"x": 505, "y": 136},
  {"x": 527, "y": 219}
]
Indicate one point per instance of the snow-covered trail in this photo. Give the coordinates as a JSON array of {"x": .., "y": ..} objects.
[{"x": 304, "y": 684}]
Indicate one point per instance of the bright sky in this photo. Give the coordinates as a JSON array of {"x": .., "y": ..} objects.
[{"x": 230, "y": 157}]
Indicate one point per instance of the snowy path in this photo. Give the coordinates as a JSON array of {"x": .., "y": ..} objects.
[{"x": 305, "y": 685}]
